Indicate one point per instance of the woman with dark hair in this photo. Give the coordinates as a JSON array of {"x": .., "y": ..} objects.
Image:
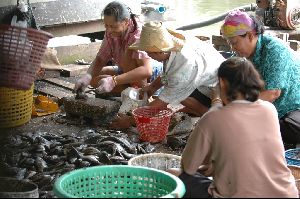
[
  {"x": 239, "y": 145},
  {"x": 277, "y": 64},
  {"x": 133, "y": 67}
]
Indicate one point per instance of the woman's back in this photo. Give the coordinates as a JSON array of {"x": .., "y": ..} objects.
[{"x": 247, "y": 151}]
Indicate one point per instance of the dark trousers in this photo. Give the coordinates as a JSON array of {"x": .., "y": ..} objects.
[
  {"x": 201, "y": 98},
  {"x": 290, "y": 127},
  {"x": 196, "y": 185}
]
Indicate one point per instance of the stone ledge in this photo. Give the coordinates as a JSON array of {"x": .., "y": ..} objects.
[{"x": 94, "y": 108}]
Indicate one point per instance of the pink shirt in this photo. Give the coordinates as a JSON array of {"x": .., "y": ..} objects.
[
  {"x": 243, "y": 144},
  {"x": 113, "y": 48}
]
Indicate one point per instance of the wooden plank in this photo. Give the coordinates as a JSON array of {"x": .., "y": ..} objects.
[
  {"x": 220, "y": 43},
  {"x": 74, "y": 70},
  {"x": 203, "y": 38},
  {"x": 51, "y": 74},
  {"x": 61, "y": 83},
  {"x": 53, "y": 92},
  {"x": 58, "y": 88},
  {"x": 295, "y": 45},
  {"x": 218, "y": 40},
  {"x": 284, "y": 36},
  {"x": 54, "y": 13},
  {"x": 75, "y": 28}
]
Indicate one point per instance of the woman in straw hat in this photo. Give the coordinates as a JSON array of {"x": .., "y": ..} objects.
[
  {"x": 239, "y": 145},
  {"x": 133, "y": 67},
  {"x": 277, "y": 64},
  {"x": 190, "y": 67},
  {"x": 189, "y": 72}
]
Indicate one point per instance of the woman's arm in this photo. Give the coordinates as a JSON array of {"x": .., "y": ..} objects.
[
  {"x": 158, "y": 103},
  {"x": 135, "y": 68},
  {"x": 141, "y": 72},
  {"x": 270, "y": 95},
  {"x": 96, "y": 67},
  {"x": 198, "y": 149},
  {"x": 152, "y": 87}
]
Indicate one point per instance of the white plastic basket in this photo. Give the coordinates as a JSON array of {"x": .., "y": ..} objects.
[{"x": 160, "y": 161}]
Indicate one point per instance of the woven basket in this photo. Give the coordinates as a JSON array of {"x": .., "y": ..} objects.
[
  {"x": 13, "y": 188},
  {"x": 296, "y": 173},
  {"x": 160, "y": 161},
  {"x": 118, "y": 182},
  {"x": 22, "y": 50},
  {"x": 152, "y": 123},
  {"x": 16, "y": 106},
  {"x": 292, "y": 156}
]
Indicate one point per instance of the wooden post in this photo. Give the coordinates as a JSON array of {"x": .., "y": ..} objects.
[
  {"x": 220, "y": 43},
  {"x": 284, "y": 36},
  {"x": 295, "y": 45}
]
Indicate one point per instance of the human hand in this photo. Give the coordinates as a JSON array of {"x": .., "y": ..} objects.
[
  {"x": 206, "y": 170},
  {"x": 149, "y": 89},
  {"x": 216, "y": 101},
  {"x": 106, "y": 85},
  {"x": 216, "y": 91},
  {"x": 83, "y": 82},
  {"x": 122, "y": 121}
]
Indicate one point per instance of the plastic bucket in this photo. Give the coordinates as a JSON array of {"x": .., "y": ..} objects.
[{"x": 13, "y": 188}]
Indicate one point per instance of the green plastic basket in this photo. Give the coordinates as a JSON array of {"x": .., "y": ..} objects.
[{"x": 118, "y": 181}]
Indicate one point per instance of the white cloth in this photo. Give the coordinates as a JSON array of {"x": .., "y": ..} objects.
[{"x": 195, "y": 66}]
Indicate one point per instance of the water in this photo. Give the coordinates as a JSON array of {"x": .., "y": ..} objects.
[
  {"x": 184, "y": 12},
  {"x": 194, "y": 11}
]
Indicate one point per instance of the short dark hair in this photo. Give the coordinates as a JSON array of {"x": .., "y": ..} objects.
[
  {"x": 242, "y": 77},
  {"x": 120, "y": 11}
]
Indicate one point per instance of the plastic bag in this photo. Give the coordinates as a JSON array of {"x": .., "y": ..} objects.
[
  {"x": 130, "y": 100},
  {"x": 43, "y": 106}
]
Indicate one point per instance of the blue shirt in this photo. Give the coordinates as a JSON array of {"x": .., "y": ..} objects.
[{"x": 280, "y": 69}]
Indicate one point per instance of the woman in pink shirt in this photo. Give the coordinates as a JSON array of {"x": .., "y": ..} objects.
[
  {"x": 239, "y": 145},
  {"x": 132, "y": 67}
]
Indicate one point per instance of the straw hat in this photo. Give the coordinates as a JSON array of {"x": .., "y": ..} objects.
[{"x": 156, "y": 38}]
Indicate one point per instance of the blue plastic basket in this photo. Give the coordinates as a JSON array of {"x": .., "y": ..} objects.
[{"x": 292, "y": 156}]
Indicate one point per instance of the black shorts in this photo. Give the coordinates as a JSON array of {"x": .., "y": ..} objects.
[
  {"x": 196, "y": 185},
  {"x": 206, "y": 101},
  {"x": 290, "y": 127}
]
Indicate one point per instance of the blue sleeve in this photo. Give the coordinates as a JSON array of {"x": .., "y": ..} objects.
[{"x": 277, "y": 60}]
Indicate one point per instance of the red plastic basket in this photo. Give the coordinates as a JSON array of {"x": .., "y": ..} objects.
[
  {"x": 152, "y": 123},
  {"x": 22, "y": 50}
]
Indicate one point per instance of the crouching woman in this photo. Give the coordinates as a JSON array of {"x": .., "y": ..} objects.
[{"x": 239, "y": 145}]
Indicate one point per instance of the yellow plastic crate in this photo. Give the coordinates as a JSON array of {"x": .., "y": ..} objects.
[{"x": 16, "y": 106}]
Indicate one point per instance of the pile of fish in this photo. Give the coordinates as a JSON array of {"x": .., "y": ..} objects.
[{"x": 42, "y": 157}]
